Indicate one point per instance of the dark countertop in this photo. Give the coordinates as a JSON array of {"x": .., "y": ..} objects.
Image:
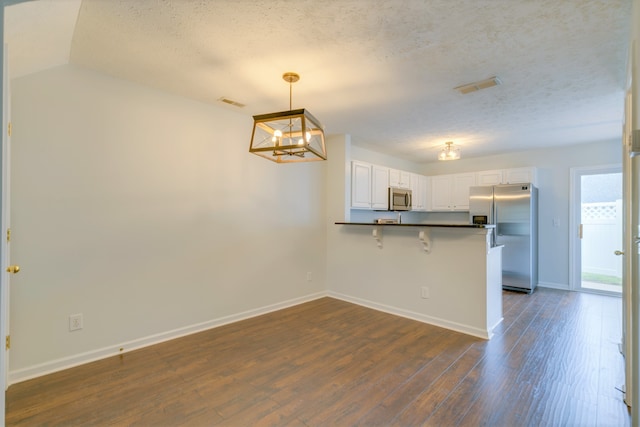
[{"x": 420, "y": 225}]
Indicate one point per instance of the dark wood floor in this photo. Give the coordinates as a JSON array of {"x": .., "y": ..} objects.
[{"x": 553, "y": 362}]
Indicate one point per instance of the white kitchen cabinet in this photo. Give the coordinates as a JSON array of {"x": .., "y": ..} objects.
[
  {"x": 369, "y": 186},
  {"x": 460, "y": 192},
  {"x": 507, "y": 176},
  {"x": 419, "y": 192},
  {"x": 399, "y": 178},
  {"x": 451, "y": 192},
  {"x": 441, "y": 193},
  {"x": 360, "y": 185},
  {"x": 520, "y": 175},
  {"x": 379, "y": 187},
  {"x": 493, "y": 177},
  {"x": 427, "y": 193}
]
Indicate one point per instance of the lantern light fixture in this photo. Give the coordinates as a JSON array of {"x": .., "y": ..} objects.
[{"x": 288, "y": 136}]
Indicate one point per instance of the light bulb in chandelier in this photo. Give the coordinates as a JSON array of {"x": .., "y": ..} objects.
[{"x": 277, "y": 135}]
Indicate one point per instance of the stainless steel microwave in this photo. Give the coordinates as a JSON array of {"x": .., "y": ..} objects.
[{"x": 399, "y": 199}]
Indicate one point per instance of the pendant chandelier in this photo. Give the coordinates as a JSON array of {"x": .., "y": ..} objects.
[
  {"x": 288, "y": 136},
  {"x": 449, "y": 152}
]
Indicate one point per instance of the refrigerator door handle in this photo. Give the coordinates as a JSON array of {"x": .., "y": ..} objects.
[{"x": 580, "y": 231}]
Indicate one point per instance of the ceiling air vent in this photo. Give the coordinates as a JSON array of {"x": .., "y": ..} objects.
[
  {"x": 231, "y": 102},
  {"x": 483, "y": 84}
]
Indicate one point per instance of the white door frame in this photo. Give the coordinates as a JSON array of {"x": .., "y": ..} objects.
[
  {"x": 629, "y": 248},
  {"x": 575, "y": 249},
  {"x": 4, "y": 210},
  {"x": 4, "y": 303}
]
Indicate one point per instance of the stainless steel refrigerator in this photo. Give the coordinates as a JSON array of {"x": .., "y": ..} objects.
[{"x": 513, "y": 208}]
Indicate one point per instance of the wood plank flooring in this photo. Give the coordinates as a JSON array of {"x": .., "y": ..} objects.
[{"x": 554, "y": 361}]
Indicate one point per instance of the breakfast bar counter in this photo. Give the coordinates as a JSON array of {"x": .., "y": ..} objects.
[
  {"x": 424, "y": 235},
  {"x": 448, "y": 275},
  {"x": 395, "y": 224}
]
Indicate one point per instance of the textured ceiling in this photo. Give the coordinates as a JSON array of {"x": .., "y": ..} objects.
[{"x": 382, "y": 71}]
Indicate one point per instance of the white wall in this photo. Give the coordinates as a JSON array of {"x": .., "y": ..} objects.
[{"x": 146, "y": 213}]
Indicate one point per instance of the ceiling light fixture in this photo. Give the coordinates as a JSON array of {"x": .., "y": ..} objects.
[
  {"x": 449, "y": 152},
  {"x": 482, "y": 84},
  {"x": 288, "y": 136}
]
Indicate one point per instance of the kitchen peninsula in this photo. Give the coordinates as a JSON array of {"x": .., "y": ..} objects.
[{"x": 448, "y": 275}]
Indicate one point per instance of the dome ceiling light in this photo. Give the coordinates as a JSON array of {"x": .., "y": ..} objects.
[{"x": 449, "y": 152}]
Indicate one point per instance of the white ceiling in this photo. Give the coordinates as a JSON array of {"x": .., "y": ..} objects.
[{"x": 382, "y": 71}]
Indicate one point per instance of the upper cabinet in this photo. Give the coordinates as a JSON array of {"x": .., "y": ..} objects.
[
  {"x": 508, "y": 176},
  {"x": 399, "y": 178},
  {"x": 520, "y": 175},
  {"x": 419, "y": 193},
  {"x": 379, "y": 187},
  {"x": 360, "y": 185},
  {"x": 369, "y": 186},
  {"x": 451, "y": 192},
  {"x": 441, "y": 193},
  {"x": 460, "y": 194},
  {"x": 493, "y": 177}
]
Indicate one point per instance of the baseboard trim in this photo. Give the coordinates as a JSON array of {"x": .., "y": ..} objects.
[
  {"x": 561, "y": 286},
  {"x": 435, "y": 321},
  {"x": 39, "y": 370},
  {"x": 493, "y": 328}
]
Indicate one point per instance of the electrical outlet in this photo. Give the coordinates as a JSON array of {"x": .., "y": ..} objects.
[
  {"x": 308, "y": 276},
  {"x": 424, "y": 292},
  {"x": 75, "y": 322}
]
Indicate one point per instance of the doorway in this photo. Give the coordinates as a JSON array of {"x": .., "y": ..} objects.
[{"x": 598, "y": 218}]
